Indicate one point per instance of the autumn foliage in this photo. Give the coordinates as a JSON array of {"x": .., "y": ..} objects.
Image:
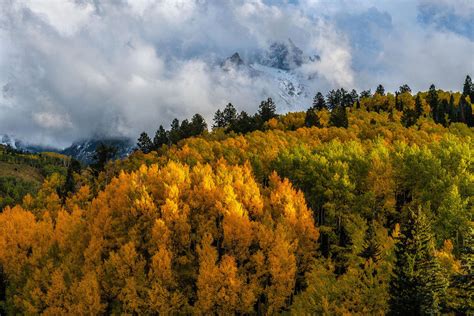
[
  {"x": 161, "y": 240},
  {"x": 319, "y": 220}
]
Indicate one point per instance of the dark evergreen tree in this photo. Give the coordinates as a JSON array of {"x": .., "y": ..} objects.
[
  {"x": 334, "y": 99},
  {"x": 452, "y": 110},
  {"x": 365, "y": 94},
  {"x": 144, "y": 143},
  {"x": 468, "y": 88},
  {"x": 371, "y": 248},
  {"x": 380, "y": 90},
  {"x": 198, "y": 125},
  {"x": 404, "y": 88},
  {"x": 442, "y": 112},
  {"x": 463, "y": 284},
  {"x": 311, "y": 118},
  {"x": 103, "y": 153},
  {"x": 244, "y": 123},
  {"x": 267, "y": 110},
  {"x": 184, "y": 129},
  {"x": 398, "y": 104},
  {"x": 433, "y": 101},
  {"x": 418, "y": 286},
  {"x": 219, "y": 119},
  {"x": 418, "y": 106},
  {"x": 175, "y": 132},
  {"x": 354, "y": 96},
  {"x": 70, "y": 183},
  {"x": 338, "y": 117},
  {"x": 230, "y": 115},
  {"x": 409, "y": 117},
  {"x": 161, "y": 138},
  {"x": 319, "y": 103}
]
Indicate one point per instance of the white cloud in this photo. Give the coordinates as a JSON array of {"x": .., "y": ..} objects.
[
  {"x": 66, "y": 16},
  {"x": 52, "y": 120},
  {"x": 119, "y": 67}
]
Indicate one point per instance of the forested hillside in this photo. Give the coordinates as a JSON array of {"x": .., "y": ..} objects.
[
  {"x": 362, "y": 205},
  {"x": 22, "y": 173}
]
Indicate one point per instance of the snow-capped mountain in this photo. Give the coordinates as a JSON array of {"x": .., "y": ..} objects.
[
  {"x": 279, "y": 67},
  {"x": 84, "y": 150}
]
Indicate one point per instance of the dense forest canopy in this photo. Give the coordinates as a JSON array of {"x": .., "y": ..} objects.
[{"x": 363, "y": 205}]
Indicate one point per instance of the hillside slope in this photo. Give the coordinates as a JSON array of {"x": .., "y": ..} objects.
[{"x": 23, "y": 173}]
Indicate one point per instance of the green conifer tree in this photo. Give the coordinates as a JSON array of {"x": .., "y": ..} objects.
[
  {"x": 418, "y": 286},
  {"x": 311, "y": 118},
  {"x": 144, "y": 143}
]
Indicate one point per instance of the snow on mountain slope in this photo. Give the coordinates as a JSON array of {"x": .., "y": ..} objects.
[
  {"x": 280, "y": 68},
  {"x": 289, "y": 86},
  {"x": 84, "y": 150}
]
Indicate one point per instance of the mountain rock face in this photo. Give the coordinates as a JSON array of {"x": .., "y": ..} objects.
[
  {"x": 279, "y": 65},
  {"x": 232, "y": 62},
  {"x": 84, "y": 150},
  {"x": 284, "y": 56}
]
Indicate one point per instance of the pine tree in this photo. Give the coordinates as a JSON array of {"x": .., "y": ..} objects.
[
  {"x": 219, "y": 120},
  {"x": 244, "y": 123},
  {"x": 468, "y": 87},
  {"x": 184, "y": 129},
  {"x": 365, "y": 94},
  {"x": 466, "y": 280},
  {"x": 70, "y": 184},
  {"x": 418, "y": 287},
  {"x": 311, "y": 118},
  {"x": 103, "y": 153},
  {"x": 338, "y": 117},
  {"x": 229, "y": 114},
  {"x": 380, "y": 90},
  {"x": 452, "y": 110},
  {"x": 161, "y": 138},
  {"x": 144, "y": 143},
  {"x": 371, "y": 247},
  {"x": 198, "y": 125},
  {"x": 404, "y": 88},
  {"x": 418, "y": 106},
  {"x": 267, "y": 110},
  {"x": 433, "y": 101},
  {"x": 175, "y": 132},
  {"x": 319, "y": 103}
]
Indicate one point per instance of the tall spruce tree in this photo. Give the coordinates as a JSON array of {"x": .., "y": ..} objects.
[
  {"x": 405, "y": 88},
  {"x": 175, "y": 132},
  {"x": 267, "y": 110},
  {"x": 311, "y": 118},
  {"x": 433, "y": 101},
  {"x": 338, "y": 117},
  {"x": 418, "y": 286},
  {"x": 371, "y": 248},
  {"x": 418, "y": 106},
  {"x": 230, "y": 115},
  {"x": 319, "y": 103},
  {"x": 144, "y": 143},
  {"x": 161, "y": 138},
  {"x": 219, "y": 119},
  {"x": 468, "y": 88},
  {"x": 380, "y": 90},
  {"x": 198, "y": 125}
]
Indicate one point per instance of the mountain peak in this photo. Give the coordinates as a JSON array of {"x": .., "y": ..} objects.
[{"x": 234, "y": 61}]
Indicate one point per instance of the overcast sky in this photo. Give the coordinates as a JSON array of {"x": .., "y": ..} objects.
[{"x": 74, "y": 69}]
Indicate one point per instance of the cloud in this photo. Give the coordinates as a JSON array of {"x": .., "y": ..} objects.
[{"x": 77, "y": 68}]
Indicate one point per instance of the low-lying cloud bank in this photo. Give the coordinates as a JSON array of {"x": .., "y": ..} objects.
[{"x": 74, "y": 69}]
